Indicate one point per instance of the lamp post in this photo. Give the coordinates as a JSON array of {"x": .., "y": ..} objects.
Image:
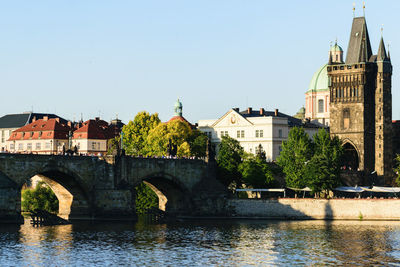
[{"x": 51, "y": 146}]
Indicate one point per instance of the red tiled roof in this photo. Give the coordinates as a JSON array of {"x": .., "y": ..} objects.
[
  {"x": 42, "y": 129},
  {"x": 94, "y": 129}
]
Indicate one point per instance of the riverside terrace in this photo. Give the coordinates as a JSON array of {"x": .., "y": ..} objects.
[{"x": 101, "y": 188}]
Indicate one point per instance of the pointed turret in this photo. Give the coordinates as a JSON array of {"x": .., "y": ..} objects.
[
  {"x": 359, "y": 49},
  {"x": 381, "y": 51},
  {"x": 330, "y": 59}
]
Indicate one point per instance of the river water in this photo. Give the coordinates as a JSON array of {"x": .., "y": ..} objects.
[{"x": 203, "y": 243}]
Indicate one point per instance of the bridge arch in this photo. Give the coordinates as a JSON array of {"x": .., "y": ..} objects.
[
  {"x": 73, "y": 197},
  {"x": 351, "y": 155},
  {"x": 173, "y": 196}
]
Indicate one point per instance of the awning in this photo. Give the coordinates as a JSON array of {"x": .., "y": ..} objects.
[
  {"x": 381, "y": 189},
  {"x": 350, "y": 189}
]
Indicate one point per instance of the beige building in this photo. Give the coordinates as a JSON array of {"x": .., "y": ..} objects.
[{"x": 253, "y": 128}]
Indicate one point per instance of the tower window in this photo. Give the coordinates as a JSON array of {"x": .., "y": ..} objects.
[{"x": 320, "y": 105}]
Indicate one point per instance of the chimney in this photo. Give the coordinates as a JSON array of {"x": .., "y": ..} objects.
[
  {"x": 46, "y": 118},
  {"x": 34, "y": 119},
  {"x": 276, "y": 112},
  {"x": 236, "y": 109},
  {"x": 249, "y": 110},
  {"x": 57, "y": 119},
  {"x": 262, "y": 111},
  {"x": 97, "y": 118},
  {"x": 69, "y": 123}
]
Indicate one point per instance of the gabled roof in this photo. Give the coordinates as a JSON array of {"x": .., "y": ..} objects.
[
  {"x": 226, "y": 114},
  {"x": 43, "y": 129},
  {"x": 292, "y": 121},
  {"x": 94, "y": 129},
  {"x": 359, "y": 49},
  {"x": 19, "y": 120}
]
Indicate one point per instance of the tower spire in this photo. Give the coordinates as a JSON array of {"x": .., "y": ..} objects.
[{"x": 381, "y": 51}]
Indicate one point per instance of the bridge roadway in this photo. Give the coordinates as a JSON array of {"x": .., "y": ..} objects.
[{"x": 104, "y": 188}]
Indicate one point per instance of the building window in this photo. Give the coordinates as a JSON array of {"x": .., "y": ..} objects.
[
  {"x": 257, "y": 133},
  {"x": 280, "y": 133},
  {"x": 20, "y": 146},
  {"x": 280, "y": 149},
  {"x": 12, "y": 147},
  {"x": 242, "y": 133},
  {"x": 261, "y": 133},
  {"x": 238, "y": 134},
  {"x": 48, "y": 146},
  {"x": 224, "y": 133},
  {"x": 93, "y": 145},
  {"x": 2, "y": 136},
  {"x": 38, "y": 146},
  {"x": 320, "y": 105},
  {"x": 29, "y": 146}
]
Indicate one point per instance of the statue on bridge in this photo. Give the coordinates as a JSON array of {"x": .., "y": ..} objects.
[{"x": 172, "y": 149}]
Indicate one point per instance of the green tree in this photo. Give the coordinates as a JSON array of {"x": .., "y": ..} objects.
[
  {"x": 228, "y": 160},
  {"x": 137, "y": 131},
  {"x": 256, "y": 172},
  {"x": 198, "y": 143},
  {"x": 397, "y": 169},
  {"x": 296, "y": 153},
  {"x": 113, "y": 145},
  {"x": 145, "y": 199},
  {"x": 189, "y": 142},
  {"x": 323, "y": 170},
  {"x": 41, "y": 197}
]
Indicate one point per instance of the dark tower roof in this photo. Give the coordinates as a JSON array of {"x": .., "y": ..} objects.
[
  {"x": 359, "y": 49},
  {"x": 381, "y": 51}
]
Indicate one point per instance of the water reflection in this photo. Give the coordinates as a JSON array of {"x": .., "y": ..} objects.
[{"x": 211, "y": 243}]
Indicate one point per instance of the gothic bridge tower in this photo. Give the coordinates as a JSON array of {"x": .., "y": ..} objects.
[{"x": 361, "y": 103}]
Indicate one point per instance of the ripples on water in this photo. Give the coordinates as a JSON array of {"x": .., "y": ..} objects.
[{"x": 203, "y": 243}]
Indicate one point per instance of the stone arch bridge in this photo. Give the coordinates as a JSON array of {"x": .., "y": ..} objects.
[{"x": 104, "y": 188}]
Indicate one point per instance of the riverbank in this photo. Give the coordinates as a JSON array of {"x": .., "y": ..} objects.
[{"x": 316, "y": 209}]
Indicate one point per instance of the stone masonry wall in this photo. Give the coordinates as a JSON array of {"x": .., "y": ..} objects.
[{"x": 297, "y": 209}]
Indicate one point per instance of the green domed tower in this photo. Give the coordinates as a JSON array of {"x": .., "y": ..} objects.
[{"x": 178, "y": 108}]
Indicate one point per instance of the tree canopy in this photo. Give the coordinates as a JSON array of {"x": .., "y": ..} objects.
[
  {"x": 294, "y": 157},
  {"x": 136, "y": 132},
  {"x": 313, "y": 163},
  {"x": 41, "y": 197},
  {"x": 228, "y": 160},
  {"x": 256, "y": 172},
  {"x": 323, "y": 170}
]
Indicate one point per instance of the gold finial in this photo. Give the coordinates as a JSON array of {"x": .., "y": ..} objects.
[
  {"x": 364, "y": 8},
  {"x": 382, "y": 30},
  {"x": 354, "y": 9}
]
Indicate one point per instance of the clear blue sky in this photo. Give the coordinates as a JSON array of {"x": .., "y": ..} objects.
[{"x": 107, "y": 57}]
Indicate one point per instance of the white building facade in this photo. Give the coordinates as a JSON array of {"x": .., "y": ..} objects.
[{"x": 255, "y": 128}]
